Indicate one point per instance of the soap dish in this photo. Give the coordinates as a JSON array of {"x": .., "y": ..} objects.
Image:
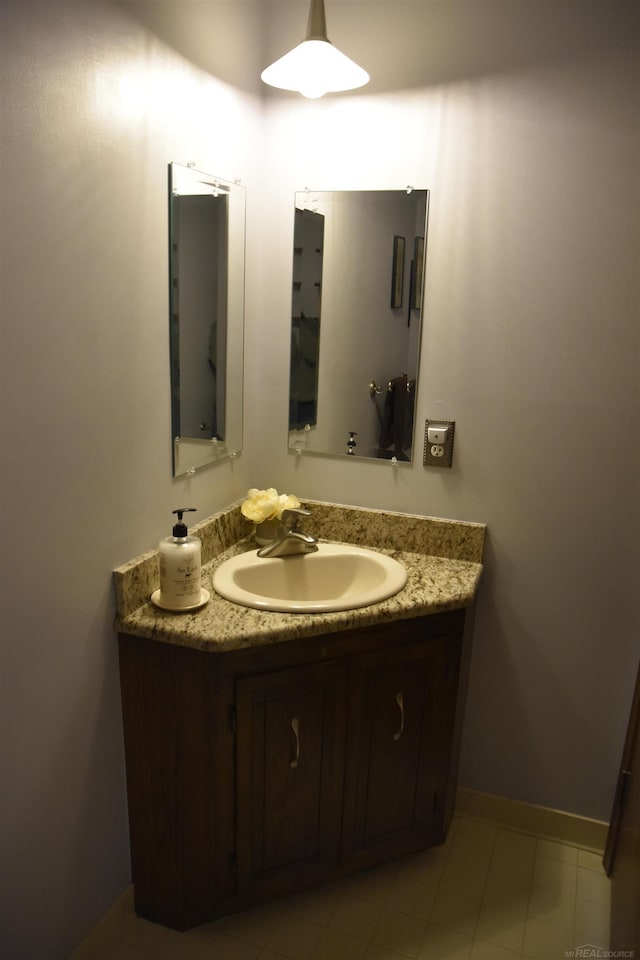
[{"x": 205, "y": 596}]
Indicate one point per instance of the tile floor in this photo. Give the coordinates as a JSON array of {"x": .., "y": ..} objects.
[{"x": 487, "y": 894}]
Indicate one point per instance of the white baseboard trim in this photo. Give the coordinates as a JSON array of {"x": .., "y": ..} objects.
[{"x": 538, "y": 821}]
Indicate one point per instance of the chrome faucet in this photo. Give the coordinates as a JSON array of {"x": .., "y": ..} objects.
[{"x": 290, "y": 541}]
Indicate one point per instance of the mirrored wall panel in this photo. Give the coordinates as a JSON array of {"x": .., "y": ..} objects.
[
  {"x": 358, "y": 288},
  {"x": 206, "y": 269}
]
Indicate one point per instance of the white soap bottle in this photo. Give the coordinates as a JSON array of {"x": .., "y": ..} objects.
[{"x": 180, "y": 567}]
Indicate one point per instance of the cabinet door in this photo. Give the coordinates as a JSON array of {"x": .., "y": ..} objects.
[
  {"x": 290, "y": 767},
  {"x": 401, "y": 724}
]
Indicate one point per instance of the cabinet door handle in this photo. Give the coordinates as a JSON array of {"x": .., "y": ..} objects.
[
  {"x": 296, "y": 732},
  {"x": 400, "y": 702}
]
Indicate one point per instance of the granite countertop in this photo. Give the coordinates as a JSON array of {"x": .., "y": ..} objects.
[{"x": 442, "y": 559}]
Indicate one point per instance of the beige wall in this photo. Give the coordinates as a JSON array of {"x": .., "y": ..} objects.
[{"x": 522, "y": 119}]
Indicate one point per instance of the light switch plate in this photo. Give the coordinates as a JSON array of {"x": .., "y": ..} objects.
[{"x": 436, "y": 454}]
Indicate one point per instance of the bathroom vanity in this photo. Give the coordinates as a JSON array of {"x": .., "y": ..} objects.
[{"x": 266, "y": 752}]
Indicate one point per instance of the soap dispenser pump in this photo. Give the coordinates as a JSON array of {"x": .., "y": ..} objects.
[{"x": 180, "y": 567}]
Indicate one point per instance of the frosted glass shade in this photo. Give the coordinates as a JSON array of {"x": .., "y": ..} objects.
[{"x": 313, "y": 68}]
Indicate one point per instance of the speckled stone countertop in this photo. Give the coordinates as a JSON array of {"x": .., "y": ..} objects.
[{"x": 443, "y": 559}]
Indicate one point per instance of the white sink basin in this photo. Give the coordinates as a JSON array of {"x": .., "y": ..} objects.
[{"x": 335, "y": 577}]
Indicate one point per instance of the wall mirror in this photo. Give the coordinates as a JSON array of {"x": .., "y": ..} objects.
[
  {"x": 206, "y": 295},
  {"x": 357, "y": 293}
]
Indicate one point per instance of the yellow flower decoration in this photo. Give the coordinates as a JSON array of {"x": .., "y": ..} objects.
[{"x": 267, "y": 504}]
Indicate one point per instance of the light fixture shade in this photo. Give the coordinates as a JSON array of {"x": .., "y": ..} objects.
[{"x": 315, "y": 66}]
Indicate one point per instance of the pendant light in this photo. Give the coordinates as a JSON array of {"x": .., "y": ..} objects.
[{"x": 315, "y": 66}]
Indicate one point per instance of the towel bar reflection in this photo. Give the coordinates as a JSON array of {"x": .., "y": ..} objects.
[{"x": 376, "y": 390}]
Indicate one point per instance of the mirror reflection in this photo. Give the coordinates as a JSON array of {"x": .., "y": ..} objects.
[
  {"x": 206, "y": 225},
  {"x": 357, "y": 292}
]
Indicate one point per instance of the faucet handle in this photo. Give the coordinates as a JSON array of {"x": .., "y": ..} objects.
[{"x": 290, "y": 516}]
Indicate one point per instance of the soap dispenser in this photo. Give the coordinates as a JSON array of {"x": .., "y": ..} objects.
[{"x": 180, "y": 567}]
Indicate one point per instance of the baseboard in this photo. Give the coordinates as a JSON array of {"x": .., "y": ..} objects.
[{"x": 538, "y": 821}]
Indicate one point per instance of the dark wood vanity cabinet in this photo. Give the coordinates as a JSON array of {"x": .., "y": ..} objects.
[{"x": 253, "y": 773}]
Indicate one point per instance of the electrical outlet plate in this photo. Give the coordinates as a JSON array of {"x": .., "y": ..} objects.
[{"x": 438, "y": 455}]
